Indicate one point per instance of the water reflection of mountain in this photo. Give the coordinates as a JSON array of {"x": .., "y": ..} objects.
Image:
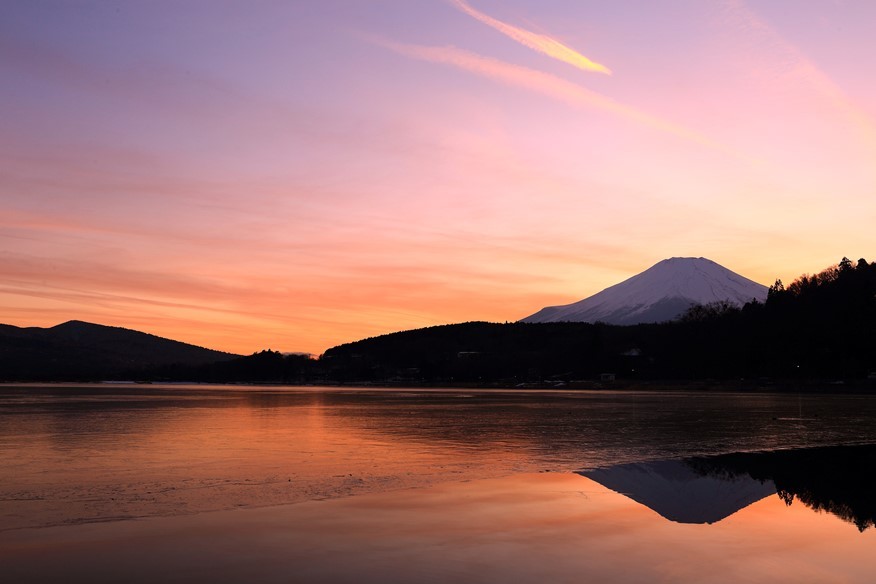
[
  {"x": 836, "y": 479},
  {"x": 679, "y": 493}
]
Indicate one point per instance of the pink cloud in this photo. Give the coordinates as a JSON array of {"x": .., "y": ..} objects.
[{"x": 548, "y": 85}]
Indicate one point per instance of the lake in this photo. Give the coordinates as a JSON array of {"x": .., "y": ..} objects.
[{"x": 231, "y": 483}]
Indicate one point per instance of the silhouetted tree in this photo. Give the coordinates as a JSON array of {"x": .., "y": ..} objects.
[{"x": 775, "y": 289}]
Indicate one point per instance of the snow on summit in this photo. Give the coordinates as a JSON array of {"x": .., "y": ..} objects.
[{"x": 662, "y": 292}]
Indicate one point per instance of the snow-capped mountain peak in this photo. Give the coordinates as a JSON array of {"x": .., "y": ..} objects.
[{"x": 662, "y": 292}]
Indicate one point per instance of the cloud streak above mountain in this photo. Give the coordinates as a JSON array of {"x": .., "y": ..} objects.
[
  {"x": 541, "y": 43},
  {"x": 548, "y": 85},
  {"x": 789, "y": 64}
]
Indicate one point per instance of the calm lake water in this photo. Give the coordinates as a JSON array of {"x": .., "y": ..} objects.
[{"x": 188, "y": 483}]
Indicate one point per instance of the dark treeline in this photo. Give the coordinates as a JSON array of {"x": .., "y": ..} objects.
[
  {"x": 836, "y": 479},
  {"x": 262, "y": 367}
]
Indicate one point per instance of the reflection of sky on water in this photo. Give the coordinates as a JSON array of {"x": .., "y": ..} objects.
[
  {"x": 95, "y": 452},
  {"x": 551, "y": 527}
]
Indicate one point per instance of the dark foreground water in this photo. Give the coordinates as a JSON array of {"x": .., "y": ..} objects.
[{"x": 231, "y": 484}]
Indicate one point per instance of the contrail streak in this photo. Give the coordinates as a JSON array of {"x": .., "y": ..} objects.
[
  {"x": 801, "y": 67},
  {"x": 549, "y": 85},
  {"x": 537, "y": 42}
]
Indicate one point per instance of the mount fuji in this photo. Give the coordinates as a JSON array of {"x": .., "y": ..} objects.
[{"x": 662, "y": 292}]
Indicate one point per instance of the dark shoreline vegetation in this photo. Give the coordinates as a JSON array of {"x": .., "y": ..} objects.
[
  {"x": 819, "y": 329},
  {"x": 832, "y": 479}
]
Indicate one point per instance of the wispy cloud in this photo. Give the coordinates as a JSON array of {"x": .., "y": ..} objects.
[
  {"x": 549, "y": 85},
  {"x": 794, "y": 64},
  {"x": 538, "y": 42}
]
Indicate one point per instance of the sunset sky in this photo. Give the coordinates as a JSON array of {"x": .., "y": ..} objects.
[{"x": 297, "y": 174}]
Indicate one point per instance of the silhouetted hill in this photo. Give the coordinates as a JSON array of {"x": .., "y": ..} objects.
[
  {"x": 78, "y": 350},
  {"x": 481, "y": 351}
]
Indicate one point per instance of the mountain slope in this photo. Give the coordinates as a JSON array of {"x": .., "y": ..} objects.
[
  {"x": 662, "y": 292},
  {"x": 78, "y": 350}
]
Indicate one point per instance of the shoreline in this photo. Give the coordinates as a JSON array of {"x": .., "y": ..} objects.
[{"x": 810, "y": 386}]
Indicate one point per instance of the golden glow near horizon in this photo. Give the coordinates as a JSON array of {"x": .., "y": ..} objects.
[{"x": 347, "y": 173}]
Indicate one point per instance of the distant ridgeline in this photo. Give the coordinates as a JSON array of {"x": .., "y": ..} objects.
[
  {"x": 81, "y": 351},
  {"x": 819, "y": 327}
]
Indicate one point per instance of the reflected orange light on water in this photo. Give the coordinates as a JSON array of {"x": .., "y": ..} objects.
[
  {"x": 92, "y": 453},
  {"x": 527, "y": 528},
  {"x": 165, "y": 454},
  {"x": 225, "y": 483}
]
